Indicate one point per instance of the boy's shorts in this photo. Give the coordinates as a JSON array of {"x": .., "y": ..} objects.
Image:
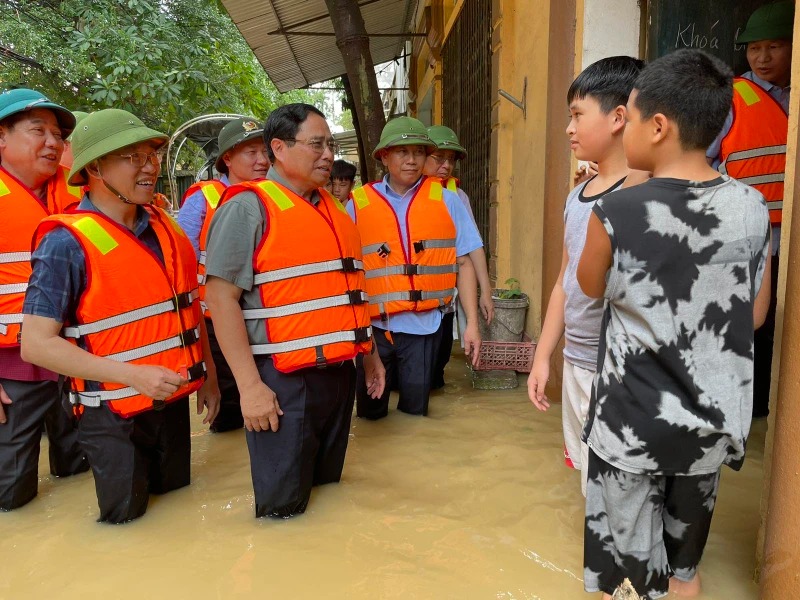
[
  {"x": 647, "y": 528},
  {"x": 576, "y": 390}
]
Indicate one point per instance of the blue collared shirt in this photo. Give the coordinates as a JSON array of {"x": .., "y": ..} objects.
[
  {"x": 467, "y": 240},
  {"x": 193, "y": 213},
  {"x": 58, "y": 279}
]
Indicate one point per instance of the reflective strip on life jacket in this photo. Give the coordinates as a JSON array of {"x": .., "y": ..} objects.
[
  {"x": 126, "y": 318},
  {"x": 187, "y": 337},
  {"x": 754, "y": 153},
  {"x": 413, "y": 296},
  {"x": 6, "y": 320},
  {"x": 346, "y": 265},
  {"x": 12, "y": 257},
  {"x": 411, "y": 270},
  {"x": 355, "y": 297},
  {"x": 13, "y": 288},
  {"x": 357, "y": 336},
  {"x": 94, "y": 399},
  {"x": 759, "y": 179}
]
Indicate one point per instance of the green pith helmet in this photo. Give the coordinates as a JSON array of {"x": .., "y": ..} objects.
[
  {"x": 403, "y": 131},
  {"x": 22, "y": 99},
  {"x": 772, "y": 21},
  {"x": 101, "y": 133},
  {"x": 79, "y": 116},
  {"x": 446, "y": 139},
  {"x": 233, "y": 134}
]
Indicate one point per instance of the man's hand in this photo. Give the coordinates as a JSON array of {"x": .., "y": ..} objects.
[
  {"x": 472, "y": 342},
  {"x": 4, "y": 399},
  {"x": 584, "y": 173},
  {"x": 486, "y": 305},
  {"x": 374, "y": 373},
  {"x": 154, "y": 381},
  {"x": 260, "y": 408},
  {"x": 537, "y": 380},
  {"x": 209, "y": 396}
]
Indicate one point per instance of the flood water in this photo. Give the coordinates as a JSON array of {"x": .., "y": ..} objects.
[{"x": 472, "y": 502}]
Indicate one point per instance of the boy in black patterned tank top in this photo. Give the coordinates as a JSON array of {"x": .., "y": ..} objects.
[{"x": 680, "y": 261}]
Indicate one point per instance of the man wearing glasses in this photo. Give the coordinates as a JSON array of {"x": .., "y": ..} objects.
[
  {"x": 32, "y": 186},
  {"x": 417, "y": 239},
  {"x": 285, "y": 287},
  {"x": 441, "y": 163},
  {"x": 242, "y": 157},
  {"x": 112, "y": 304}
]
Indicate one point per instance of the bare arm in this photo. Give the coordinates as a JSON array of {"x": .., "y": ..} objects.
[
  {"x": 42, "y": 345},
  {"x": 486, "y": 304},
  {"x": 260, "y": 407},
  {"x": 552, "y": 330},
  {"x": 208, "y": 395},
  {"x": 761, "y": 303},
  {"x": 468, "y": 292},
  {"x": 596, "y": 259}
]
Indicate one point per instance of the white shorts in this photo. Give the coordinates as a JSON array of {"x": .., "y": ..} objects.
[{"x": 576, "y": 390}]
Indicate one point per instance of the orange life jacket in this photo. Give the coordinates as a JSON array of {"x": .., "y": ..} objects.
[
  {"x": 134, "y": 308},
  {"x": 22, "y": 212},
  {"x": 451, "y": 184},
  {"x": 310, "y": 279},
  {"x": 754, "y": 151},
  {"x": 212, "y": 192},
  {"x": 418, "y": 279}
]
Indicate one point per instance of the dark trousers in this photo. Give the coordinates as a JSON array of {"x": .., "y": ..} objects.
[
  {"x": 230, "y": 411},
  {"x": 409, "y": 361},
  {"x": 763, "y": 340},
  {"x": 131, "y": 458},
  {"x": 35, "y": 406},
  {"x": 442, "y": 356},
  {"x": 310, "y": 445}
]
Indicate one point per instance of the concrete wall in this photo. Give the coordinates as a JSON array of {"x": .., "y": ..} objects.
[{"x": 600, "y": 17}]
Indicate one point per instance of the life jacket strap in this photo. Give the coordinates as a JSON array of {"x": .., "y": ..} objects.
[
  {"x": 13, "y": 257},
  {"x": 358, "y": 336},
  {"x": 186, "y": 338},
  {"x": 13, "y": 288},
  {"x": 411, "y": 270},
  {"x": 346, "y": 265},
  {"x": 421, "y": 245},
  {"x": 354, "y": 297},
  {"x": 752, "y": 153}
]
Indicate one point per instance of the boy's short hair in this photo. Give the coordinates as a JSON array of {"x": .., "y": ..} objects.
[
  {"x": 343, "y": 170},
  {"x": 609, "y": 81},
  {"x": 692, "y": 88}
]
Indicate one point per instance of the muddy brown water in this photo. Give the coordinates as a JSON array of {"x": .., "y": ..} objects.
[{"x": 472, "y": 502}]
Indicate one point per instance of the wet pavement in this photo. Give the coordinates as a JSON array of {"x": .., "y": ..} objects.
[{"x": 472, "y": 502}]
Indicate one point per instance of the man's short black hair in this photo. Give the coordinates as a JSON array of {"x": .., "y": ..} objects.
[
  {"x": 609, "y": 81},
  {"x": 692, "y": 88},
  {"x": 343, "y": 170},
  {"x": 284, "y": 121}
]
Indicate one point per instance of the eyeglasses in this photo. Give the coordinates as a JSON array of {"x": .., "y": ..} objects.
[
  {"x": 440, "y": 160},
  {"x": 140, "y": 159},
  {"x": 318, "y": 146}
]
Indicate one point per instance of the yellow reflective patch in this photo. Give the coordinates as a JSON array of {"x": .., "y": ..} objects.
[
  {"x": 276, "y": 194},
  {"x": 75, "y": 191},
  {"x": 95, "y": 233},
  {"x": 4, "y": 191},
  {"x": 339, "y": 204},
  {"x": 748, "y": 94},
  {"x": 360, "y": 197},
  {"x": 175, "y": 227},
  {"x": 211, "y": 194},
  {"x": 436, "y": 190},
  {"x": 451, "y": 184}
]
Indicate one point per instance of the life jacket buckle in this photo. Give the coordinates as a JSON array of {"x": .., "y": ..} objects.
[
  {"x": 415, "y": 295},
  {"x": 159, "y": 404},
  {"x": 362, "y": 334},
  {"x": 410, "y": 269},
  {"x": 419, "y": 246},
  {"x": 357, "y": 297},
  {"x": 183, "y": 300},
  {"x": 349, "y": 264}
]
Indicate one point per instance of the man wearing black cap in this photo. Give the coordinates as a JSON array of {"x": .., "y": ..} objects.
[
  {"x": 32, "y": 187},
  {"x": 242, "y": 157},
  {"x": 752, "y": 147}
]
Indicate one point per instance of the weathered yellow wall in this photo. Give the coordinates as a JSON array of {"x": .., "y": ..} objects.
[
  {"x": 777, "y": 553},
  {"x": 530, "y": 170}
]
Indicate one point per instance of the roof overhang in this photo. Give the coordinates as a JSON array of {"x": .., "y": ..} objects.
[{"x": 294, "y": 39}]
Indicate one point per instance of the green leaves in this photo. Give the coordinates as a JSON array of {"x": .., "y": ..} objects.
[{"x": 164, "y": 60}]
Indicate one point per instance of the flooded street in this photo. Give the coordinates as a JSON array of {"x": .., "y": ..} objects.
[{"x": 472, "y": 502}]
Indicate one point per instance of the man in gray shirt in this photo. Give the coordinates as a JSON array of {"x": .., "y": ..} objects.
[{"x": 270, "y": 244}]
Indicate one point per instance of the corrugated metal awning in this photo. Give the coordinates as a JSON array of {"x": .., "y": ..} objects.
[{"x": 271, "y": 28}]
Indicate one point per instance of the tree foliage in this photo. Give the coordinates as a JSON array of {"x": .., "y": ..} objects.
[{"x": 164, "y": 60}]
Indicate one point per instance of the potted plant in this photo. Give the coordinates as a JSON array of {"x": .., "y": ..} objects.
[{"x": 510, "y": 308}]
